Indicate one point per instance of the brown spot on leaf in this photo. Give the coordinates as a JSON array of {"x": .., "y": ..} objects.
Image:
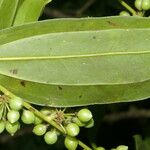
[
  {"x": 112, "y": 23},
  {"x": 80, "y": 96},
  {"x": 23, "y": 83},
  {"x": 94, "y": 37},
  {"x": 13, "y": 71},
  {"x": 59, "y": 87}
]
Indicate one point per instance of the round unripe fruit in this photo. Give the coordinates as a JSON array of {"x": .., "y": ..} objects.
[
  {"x": 72, "y": 129},
  {"x": 90, "y": 124},
  {"x": 13, "y": 116},
  {"x": 124, "y": 13},
  {"x": 45, "y": 111},
  {"x": 16, "y": 103},
  {"x": 78, "y": 122},
  {"x": 2, "y": 126},
  {"x": 84, "y": 115},
  {"x": 50, "y": 137},
  {"x": 39, "y": 129},
  {"x": 146, "y": 4},
  {"x": 71, "y": 143},
  {"x": 27, "y": 117},
  {"x": 37, "y": 120},
  {"x": 100, "y": 148},
  {"x": 12, "y": 127},
  {"x": 138, "y": 4},
  {"x": 122, "y": 147}
]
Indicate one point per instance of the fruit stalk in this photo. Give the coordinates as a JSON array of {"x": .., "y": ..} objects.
[{"x": 130, "y": 9}]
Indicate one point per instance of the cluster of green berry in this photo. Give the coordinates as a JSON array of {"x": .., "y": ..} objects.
[
  {"x": 83, "y": 118},
  {"x": 9, "y": 114},
  {"x": 11, "y": 110},
  {"x": 71, "y": 124},
  {"x": 140, "y": 5}
]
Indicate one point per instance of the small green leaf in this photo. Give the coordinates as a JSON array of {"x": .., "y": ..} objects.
[
  {"x": 7, "y": 12},
  {"x": 141, "y": 144},
  {"x": 29, "y": 11}
]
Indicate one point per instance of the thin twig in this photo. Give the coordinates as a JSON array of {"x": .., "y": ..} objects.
[
  {"x": 130, "y": 9},
  {"x": 84, "y": 7},
  {"x": 54, "y": 13}
]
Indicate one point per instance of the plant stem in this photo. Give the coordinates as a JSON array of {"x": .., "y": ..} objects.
[
  {"x": 69, "y": 114},
  {"x": 42, "y": 116},
  {"x": 93, "y": 146},
  {"x": 35, "y": 111},
  {"x": 84, "y": 146},
  {"x": 130, "y": 9}
]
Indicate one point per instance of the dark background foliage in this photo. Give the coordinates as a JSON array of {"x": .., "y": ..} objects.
[{"x": 115, "y": 124}]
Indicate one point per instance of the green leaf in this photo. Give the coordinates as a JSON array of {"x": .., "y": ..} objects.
[
  {"x": 141, "y": 144},
  {"x": 7, "y": 12},
  {"x": 29, "y": 11},
  {"x": 74, "y": 24},
  {"x": 78, "y": 67}
]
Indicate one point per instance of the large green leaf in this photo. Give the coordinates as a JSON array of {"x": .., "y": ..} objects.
[
  {"x": 78, "y": 67},
  {"x": 29, "y": 11},
  {"x": 7, "y": 12}
]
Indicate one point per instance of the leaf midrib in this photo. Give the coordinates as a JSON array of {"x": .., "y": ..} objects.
[{"x": 71, "y": 56}]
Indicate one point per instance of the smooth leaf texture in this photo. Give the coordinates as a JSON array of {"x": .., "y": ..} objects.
[
  {"x": 7, "y": 12},
  {"x": 141, "y": 144},
  {"x": 77, "y": 67},
  {"x": 68, "y": 25},
  {"x": 29, "y": 11}
]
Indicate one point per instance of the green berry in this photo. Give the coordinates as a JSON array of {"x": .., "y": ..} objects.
[
  {"x": 51, "y": 137},
  {"x": 71, "y": 143},
  {"x": 100, "y": 148},
  {"x": 1, "y": 111},
  {"x": 13, "y": 116},
  {"x": 146, "y": 4},
  {"x": 2, "y": 126},
  {"x": 78, "y": 122},
  {"x": 37, "y": 120},
  {"x": 12, "y": 127},
  {"x": 138, "y": 4},
  {"x": 90, "y": 124},
  {"x": 39, "y": 129},
  {"x": 27, "y": 117},
  {"x": 122, "y": 147},
  {"x": 15, "y": 103},
  {"x": 72, "y": 129},
  {"x": 84, "y": 115},
  {"x": 124, "y": 13},
  {"x": 45, "y": 111}
]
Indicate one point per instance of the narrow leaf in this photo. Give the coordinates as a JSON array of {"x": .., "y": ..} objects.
[
  {"x": 68, "y": 25},
  {"x": 29, "y": 11},
  {"x": 7, "y": 12},
  {"x": 141, "y": 144}
]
